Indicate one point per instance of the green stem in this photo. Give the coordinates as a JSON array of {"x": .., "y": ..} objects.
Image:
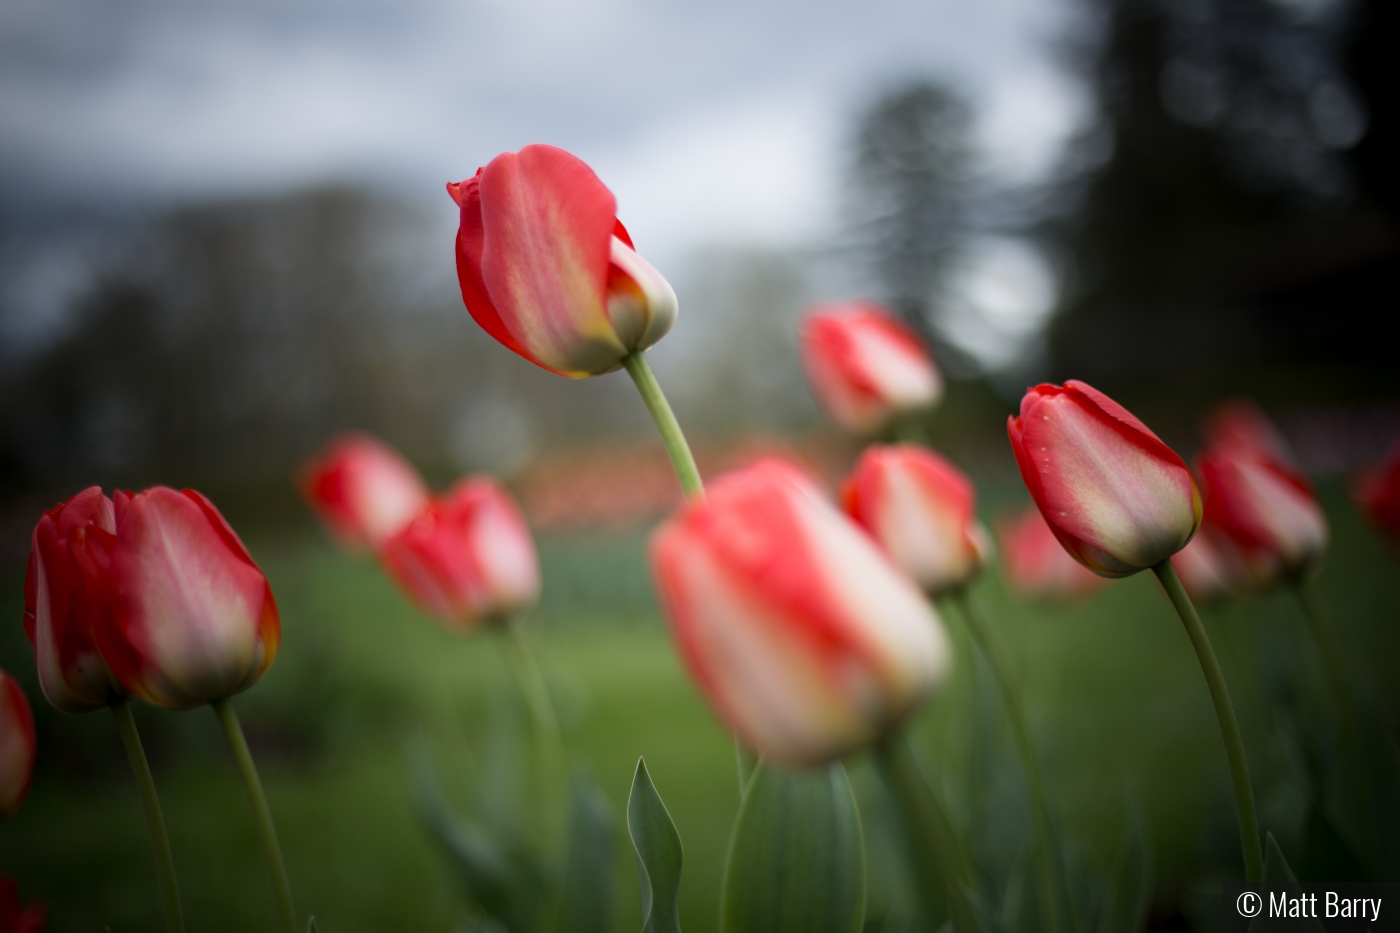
[
  {"x": 681, "y": 458},
  {"x": 982, "y": 634},
  {"x": 1225, "y": 713},
  {"x": 155, "y": 822},
  {"x": 934, "y": 855},
  {"x": 262, "y": 816},
  {"x": 549, "y": 772}
]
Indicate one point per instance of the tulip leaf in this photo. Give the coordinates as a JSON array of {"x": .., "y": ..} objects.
[
  {"x": 1126, "y": 897},
  {"x": 797, "y": 857},
  {"x": 586, "y": 896},
  {"x": 311, "y": 924},
  {"x": 658, "y": 849},
  {"x": 1279, "y": 877}
]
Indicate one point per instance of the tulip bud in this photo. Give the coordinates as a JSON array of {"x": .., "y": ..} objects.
[
  {"x": 195, "y": 620},
  {"x": 1377, "y": 494},
  {"x": 1037, "y": 566},
  {"x": 803, "y": 637},
  {"x": 1115, "y": 496},
  {"x": 363, "y": 491},
  {"x": 922, "y": 510},
  {"x": 67, "y": 597},
  {"x": 1264, "y": 508},
  {"x": 547, "y": 269},
  {"x": 17, "y": 746},
  {"x": 866, "y": 367},
  {"x": 15, "y": 918},
  {"x": 1241, "y": 428},
  {"x": 467, "y": 558}
]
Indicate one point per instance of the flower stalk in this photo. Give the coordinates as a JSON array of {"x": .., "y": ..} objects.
[
  {"x": 1225, "y": 713},
  {"x": 262, "y": 816},
  {"x": 671, "y": 435},
  {"x": 155, "y": 821}
]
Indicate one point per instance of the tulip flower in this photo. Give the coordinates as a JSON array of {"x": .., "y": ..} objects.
[
  {"x": 1115, "y": 496},
  {"x": 866, "y": 367},
  {"x": 363, "y": 490},
  {"x": 68, "y": 597},
  {"x": 17, "y": 918},
  {"x": 1241, "y": 428},
  {"x": 1377, "y": 493},
  {"x": 807, "y": 642},
  {"x": 921, "y": 510},
  {"x": 547, "y": 269},
  {"x": 1035, "y": 564},
  {"x": 195, "y": 617},
  {"x": 1265, "y": 508},
  {"x": 17, "y": 747},
  {"x": 468, "y": 557}
]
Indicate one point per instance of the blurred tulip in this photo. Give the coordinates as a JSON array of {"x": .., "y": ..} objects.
[
  {"x": 68, "y": 596},
  {"x": 1115, "y": 496},
  {"x": 1263, "y": 507},
  {"x": 547, "y": 269},
  {"x": 1205, "y": 571},
  {"x": 1035, "y": 563},
  {"x": 922, "y": 510},
  {"x": 1239, "y": 427},
  {"x": 17, "y": 747},
  {"x": 15, "y": 918},
  {"x": 802, "y": 635},
  {"x": 363, "y": 490},
  {"x": 468, "y": 557},
  {"x": 195, "y": 617},
  {"x": 866, "y": 367},
  {"x": 1377, "y": 493}
]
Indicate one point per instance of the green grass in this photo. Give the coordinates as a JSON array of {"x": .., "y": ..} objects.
[{"x": 1112, "y": 687}]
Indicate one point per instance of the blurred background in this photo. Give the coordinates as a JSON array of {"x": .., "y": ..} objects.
[{"x": 224, "y": 238}]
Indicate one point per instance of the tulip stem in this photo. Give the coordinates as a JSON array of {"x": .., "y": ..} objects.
[
  {"x": 262, "y": 816},
  {"x": 930, "y": 842},
  {"x": 155, "y": 822},
  {"x": 549, "y": 744},
  {"x": 991, "y": 648},
  {"x": 671, "y": 435},
  {"x": 1225, "y": 713}
]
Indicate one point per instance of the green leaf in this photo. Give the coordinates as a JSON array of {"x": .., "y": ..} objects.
[
  {"x": 1279, "y": 877},
  {"x": 658, "y": 849},
  {"x": 586, "y": 896},
  {"x": 1327, "y": 856},
  {"x": 796, "y": 859},
  {"x": 978, "y": 912},
  {"x": 1129, "y": 889},
  {"x": 311, "y": 924}
]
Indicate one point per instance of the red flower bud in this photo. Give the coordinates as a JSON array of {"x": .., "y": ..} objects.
[
  {"x": 1265, "y": 508},
  {"x": 14, "y": 918},
  {"x": 17, "y": 747},
  {"x": 922, "y": 510},
  {"x": 865, "y": 366},
  {"x": 1377, "y": 493},
  {"x": 1115, "y": 496},
  {"x": 803, "y": 637},
  {"x": 363, "y": 490},
  {"x": 68, "y": 596},
  {"x": 468, "y": 557},
  {"x": 195, "y": 619},
  {"x": 1036, "y": 565},
  {"x": 547, "y": 269}
]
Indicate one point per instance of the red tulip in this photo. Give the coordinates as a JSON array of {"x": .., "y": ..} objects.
[
  {"x": 363, "y": 490},
  {"x": 1377, "y": 494},
  {"x": 547, "y": 269},
  {"x": 1035, "y": 563},
  {"x": 1206, "y": 568},
  {"x": 1115, "y": 496},
  {"x": 865, "y": 366},
  {"x": 807, "y": 642},
  {"x": 1241, "y": 428},
  {"x": 922, "y": 510},
  {"x": 1265, "y": 508},
  {"x": 17, "y": 747},
  {"x": 467, "y": 558},
  {"x": 13, "y": 917},
  {"x": 195, "y": 617},
  {"x": 67, "y": 596}
]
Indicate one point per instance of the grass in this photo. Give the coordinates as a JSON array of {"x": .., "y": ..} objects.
[{"x": 1112, "y": 687}]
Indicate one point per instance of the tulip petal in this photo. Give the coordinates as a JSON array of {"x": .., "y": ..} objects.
[
  {"x": 470, "y": 236},
  {"x": 548, "y": 226}
]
